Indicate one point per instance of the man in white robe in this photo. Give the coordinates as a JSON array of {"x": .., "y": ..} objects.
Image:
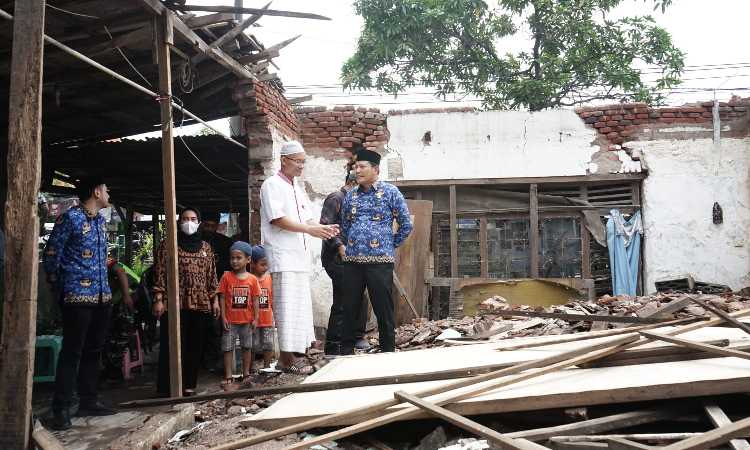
[{"x": 286, "y": 218}]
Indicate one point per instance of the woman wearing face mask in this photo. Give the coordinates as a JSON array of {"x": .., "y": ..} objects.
[{"x": 196, "y": 272}]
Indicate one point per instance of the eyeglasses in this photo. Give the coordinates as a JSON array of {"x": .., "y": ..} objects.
[{"x": 299, "y": 162}]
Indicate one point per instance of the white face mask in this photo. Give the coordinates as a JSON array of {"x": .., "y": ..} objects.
[{"x": 189, "y": 227}]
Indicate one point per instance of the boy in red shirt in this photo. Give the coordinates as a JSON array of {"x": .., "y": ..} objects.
[
  {"x": 264, "y": 331},
  {"x": 237, "y": 291}
]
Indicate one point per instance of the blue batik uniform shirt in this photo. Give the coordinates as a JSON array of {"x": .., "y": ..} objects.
[
  {"x": 76, "y": 253},
  {"x": 367, "y": 223}
]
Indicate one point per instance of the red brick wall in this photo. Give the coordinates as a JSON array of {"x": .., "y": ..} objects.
[
  {"x": 342, "y": 126},
  {"x": 261, "y": 104},
  {"x": 617, "y": 123}
]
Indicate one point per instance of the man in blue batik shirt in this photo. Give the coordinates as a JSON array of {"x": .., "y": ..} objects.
[
  {"x": 75, "y": 260},
  {"x": 367, "y": 216}
]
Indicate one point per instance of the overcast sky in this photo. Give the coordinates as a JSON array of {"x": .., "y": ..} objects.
[{"x": 714, "y": 35}]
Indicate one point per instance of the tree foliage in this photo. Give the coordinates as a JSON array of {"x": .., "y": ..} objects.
[{"x": 576, "y": 52}]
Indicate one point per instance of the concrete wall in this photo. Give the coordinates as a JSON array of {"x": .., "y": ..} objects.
[
  {"x": 489, "y": 144},
  {"x": 686, "y": 177}
]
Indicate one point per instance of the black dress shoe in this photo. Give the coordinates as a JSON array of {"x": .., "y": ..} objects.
[
  {"x": 95, "y": 409},
  {"x": 61, "y": 420}
]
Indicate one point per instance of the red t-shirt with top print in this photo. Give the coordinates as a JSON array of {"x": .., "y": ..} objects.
[
  {"x": 265, "y": 302},
  {"x": 238, "y": 295}
]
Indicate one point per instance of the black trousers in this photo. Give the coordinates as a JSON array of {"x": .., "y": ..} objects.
[
  {"x": 337, "y": 318},
  {"x": 193, "y": 328},
  {"x": 84, "y": 332},
  {"x": 378, "y": 279}
]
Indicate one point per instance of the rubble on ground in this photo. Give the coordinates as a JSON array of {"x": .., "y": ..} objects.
[{"x": 423, "y": 333}]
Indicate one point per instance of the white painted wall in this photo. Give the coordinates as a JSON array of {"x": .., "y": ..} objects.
[
  {"x": 491, "y": 144},
  {"x": 685, "y": 178}
]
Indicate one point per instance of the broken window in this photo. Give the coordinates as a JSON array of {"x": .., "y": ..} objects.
[
  {"x": 468, "y": 248},
  {"x": 560, "y": 249},
  {"x": 443, "y": 268},
  {"x": 508, "y": 251}
]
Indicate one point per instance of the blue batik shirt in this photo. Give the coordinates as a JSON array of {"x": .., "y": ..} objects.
[
  {"x": 76, "y": 254},
  {"x": 367, "y": 223}
]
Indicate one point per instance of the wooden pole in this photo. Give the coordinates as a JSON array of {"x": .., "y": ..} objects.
[
  {"x": 714, "y": 437},
  {"x": 467, "y": 424},
  {"x": 17, "y": 342},
  {"x": 165, "y": 37},
  {"x": 454, "y": 231},
  {"x": 534, "y": 244},
  {"x": 719, "y": 418},
  {"x": 696, "y": 345}
]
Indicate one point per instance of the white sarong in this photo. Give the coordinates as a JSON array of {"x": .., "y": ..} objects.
[{"x": 292, "y": 311}]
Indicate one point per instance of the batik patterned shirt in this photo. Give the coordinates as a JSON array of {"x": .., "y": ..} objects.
[
  {"x": 367, "y": 223},
  {"x": 76, "y": 254}
]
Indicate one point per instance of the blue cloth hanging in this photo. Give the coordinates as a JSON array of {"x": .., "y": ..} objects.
[{"x": 624, "y": 243}]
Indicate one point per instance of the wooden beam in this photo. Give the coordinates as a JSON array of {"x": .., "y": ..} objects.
[
  {"x": 267, "y": 12},
  {"x": 199, "y": 44},
  {"x": 265, "y": 54},
  {"x": 402, "y": 294},
  {"x": 572, "y": 317},
  {"x": 164, "y": 39},
  {"x": 720, "y": 419},
  {"x": 468, "y": 425},
  {"x": 627, "y": 444},
  {"x": 534, "y": 244},
  {"x": 588, "y": 179},
  {"x": 714, "y": 437},
  {"x": 696, "y": 345},
  {"x": 297, "y": 100},
  {"x": 718, "y": 312},
  {"x": 24, "y": 159},
  {"x": 454, "y": 231},
  {"x": 231, "y": 34},
  {"x": 598, "y": 425},
  {"x": 208, "y": 19},
  {"x": 483, "y": 245}
]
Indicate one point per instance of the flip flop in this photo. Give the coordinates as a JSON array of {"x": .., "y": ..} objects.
[{"x": 298, "y": 368}]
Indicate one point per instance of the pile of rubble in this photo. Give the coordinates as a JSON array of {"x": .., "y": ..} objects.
[{"x": 422, "y": 333}]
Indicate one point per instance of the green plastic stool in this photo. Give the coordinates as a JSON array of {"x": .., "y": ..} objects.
[{"x": 45, "y": 357}]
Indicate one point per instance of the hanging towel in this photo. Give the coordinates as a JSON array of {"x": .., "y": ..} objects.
[{"x": 624, "y": 245}]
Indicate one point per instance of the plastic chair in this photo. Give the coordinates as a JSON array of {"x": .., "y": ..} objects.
[{"x": 128, "y": 362}]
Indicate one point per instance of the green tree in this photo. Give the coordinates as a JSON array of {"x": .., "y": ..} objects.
[{"x": 577, "y": 52}]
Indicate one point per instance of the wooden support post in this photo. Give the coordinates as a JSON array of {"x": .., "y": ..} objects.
[
  {"x": 696, "y": 345},
  {"x": 483, "y": 245},
  {"x": 17, "y": 342},
  {"x": 435, "y": 291},
  {"x": 720, "y": 419},
  {"x": 467, "y": 424},
  {"x": 165, "y": 38},
  {"x": 128, "y": 235},
  {"x": 454, "y": 231},
  {"x": 534, "y": 244}
]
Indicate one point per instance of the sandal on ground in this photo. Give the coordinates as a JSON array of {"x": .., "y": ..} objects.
[{"x": 298, "y": 368}]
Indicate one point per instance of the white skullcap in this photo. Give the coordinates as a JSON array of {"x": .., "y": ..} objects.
[{"x": 291, "y": 148}]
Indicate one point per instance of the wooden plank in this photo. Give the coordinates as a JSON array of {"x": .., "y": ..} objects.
[
  {"x": 696, "y": 345},
  {"x": 199, "y": 44},
  {"x": 375, "y": 409},
  {"x": 633, "y": 437},
  {"x": 483, "y": 244},
  {"x": 239, "y": 10},
  {"x": 435, "y": 290},
  {"x": 411, "y": 261},
  {"x": 598, "y": 425},
  {"x": 718, "y": 312},
  {"x": 208, "y": 19},
  {"x": 230, "y": 35},
  {"x": 626, "y": 444},
  {"x": 588, "y": 179},
  {"x": 24, "y": 158},
  {"x": 720, "y": 419},
  {"x": 668, "y": 308},
  {"x": 572, "y": 317},
  {"x": 714, "y": 437},
  {"x": 170, "y": 204},
  {"x": 534, "y": 244},
  {"x": 454, "y": 231},
  {"x": 297, "y": 100},
  {"x": 468, "y": 425}
]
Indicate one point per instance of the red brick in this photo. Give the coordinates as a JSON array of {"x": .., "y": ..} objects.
[
  {"x": 326, "y": 139},
  {"x": 371, "y": 138},
  {"x": 358, "y": 135},
  {"x": 309, "y": 125},
  {"x": 707, "y": 114},
  {"x": 629, "y": 116},
  {"x": 612, "y": 123},
  {"x": 606, "y": 130},
  {"x": 358, "y": 129},
  {"x": 617, "y": 117},
  {"x": 667, "y": 114},
  {"x": 347, "y": 144},
  {"x": 371, "y": 126},
  {"x": 694, "y": 114},
  {"x": 626, "y": 122},
  {"x": 330, "y": 124},
  {"x": 600, "y": 125},
  {"x": 641, "y": 116},
  {"x": 613, "y": 135},
  {"x": 639, "y": 121},
  {"x": 740, "y": 108},
  {"x": 667, "y": 120},
  {"x": 597, "y": 113}
]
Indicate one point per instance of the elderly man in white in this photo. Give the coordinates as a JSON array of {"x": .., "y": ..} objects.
[{"x": 286, "y": 219}]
